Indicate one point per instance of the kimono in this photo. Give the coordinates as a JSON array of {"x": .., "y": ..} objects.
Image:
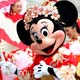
[
  {"x": 62, "y": 60},
  {"x": 14, "y": 16},
  {"x": 74, "y": 47},
  {"x": 21, "y": 58}
]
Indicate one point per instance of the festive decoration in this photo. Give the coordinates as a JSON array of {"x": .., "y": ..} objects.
[
  {"x": 66, "y": 72},
  {"x": 42, "y": 10}
]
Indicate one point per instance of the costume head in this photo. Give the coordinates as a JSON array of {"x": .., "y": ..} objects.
[{"x": 42, "y": 27}]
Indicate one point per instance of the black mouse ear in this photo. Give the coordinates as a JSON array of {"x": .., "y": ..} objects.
[
  {"x": 23, "y": 34},
  {"x": 68, "y": 12}
]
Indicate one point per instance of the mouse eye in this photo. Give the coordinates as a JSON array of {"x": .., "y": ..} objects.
[
  {"x": 35, "y": 35},
  {"x": 44, "y": 31}
]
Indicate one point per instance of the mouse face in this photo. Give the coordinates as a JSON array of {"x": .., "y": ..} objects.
[
  {"x": 43, "y": 27},
  {"x": 46, "y": 39}
]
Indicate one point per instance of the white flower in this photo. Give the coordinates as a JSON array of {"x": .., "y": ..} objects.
[
  {"x": 66, "y": 72},
  {"x": 64, "y": 50},
  {"x": 43, "y": 10}
]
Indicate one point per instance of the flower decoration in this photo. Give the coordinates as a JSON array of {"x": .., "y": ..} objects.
[
  {"x": 59, "y": 56},
  {"x": 78, "y": 69},
  {"x": 41, "y": 10},
  {"x": 64, "y": 50},
  {"x": 66, "y": 72}
]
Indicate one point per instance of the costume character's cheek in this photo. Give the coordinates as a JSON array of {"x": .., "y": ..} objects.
[
  {"x": 59, "y": 34},
  {"x": 60, "y": 37}
]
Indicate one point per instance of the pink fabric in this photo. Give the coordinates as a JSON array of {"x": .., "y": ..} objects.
[
  {"x": 4, "y": 3},
  {"x": 5, "y": 37}
]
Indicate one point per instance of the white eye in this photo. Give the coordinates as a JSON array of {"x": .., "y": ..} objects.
[{"x": 44, "y": 31}]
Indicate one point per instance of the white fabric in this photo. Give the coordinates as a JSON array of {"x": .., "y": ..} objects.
[
  {"x": 9, "y": 27},
  {"x": 75, "y": 48}
]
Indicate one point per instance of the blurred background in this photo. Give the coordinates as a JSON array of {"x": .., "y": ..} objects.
[{"x": 29, "y": 3}]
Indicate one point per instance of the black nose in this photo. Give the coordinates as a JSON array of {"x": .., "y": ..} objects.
[{"x": 39, "y": 41}]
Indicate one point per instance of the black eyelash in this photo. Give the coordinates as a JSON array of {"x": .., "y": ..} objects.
[{"x": 43, "y": 28}]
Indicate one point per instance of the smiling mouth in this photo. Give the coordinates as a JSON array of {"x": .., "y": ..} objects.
[{"x": 49, "y": 49}]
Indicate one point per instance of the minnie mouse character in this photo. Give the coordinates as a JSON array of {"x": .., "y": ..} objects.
[
  {"x": 43, "y": 32},
  {"x": 42, "y": 29}
]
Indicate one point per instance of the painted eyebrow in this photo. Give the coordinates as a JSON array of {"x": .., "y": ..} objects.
[{"x": 43, "y": 22}]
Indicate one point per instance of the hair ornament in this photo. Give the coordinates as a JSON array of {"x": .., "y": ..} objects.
[{"x": 35, "y": 11}]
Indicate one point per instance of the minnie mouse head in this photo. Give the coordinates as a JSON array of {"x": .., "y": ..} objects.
[{"x": 42, "y": 27}]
